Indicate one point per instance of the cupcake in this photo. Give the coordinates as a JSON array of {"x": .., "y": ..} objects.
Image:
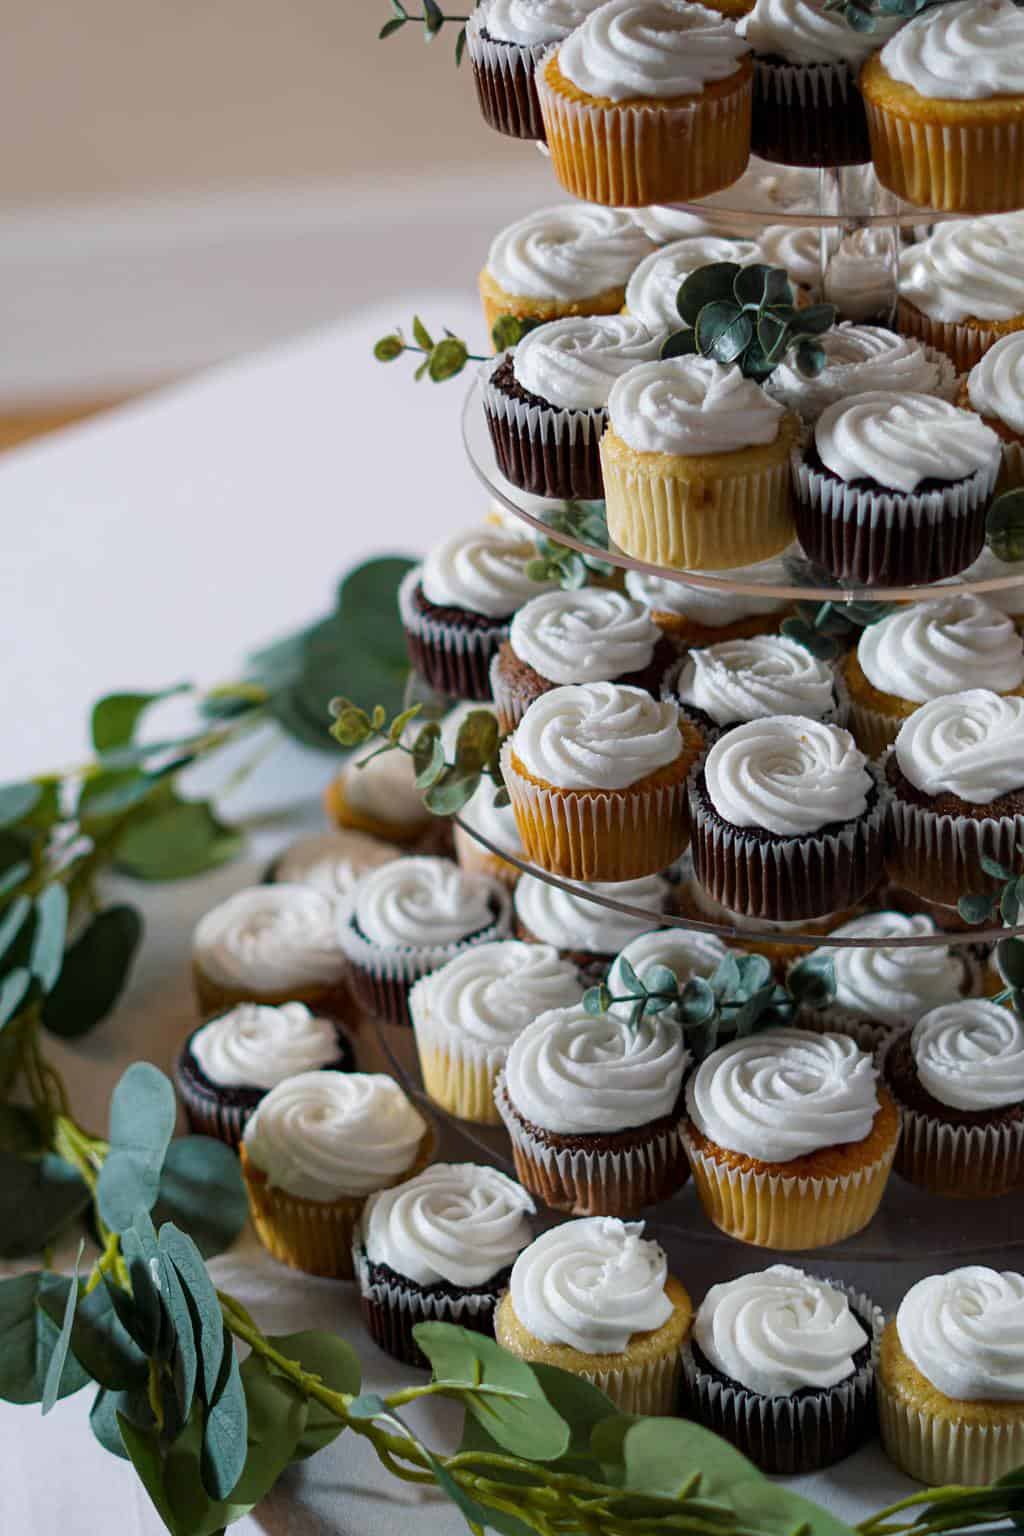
[
  {"x": 696, "y": 466},
  {"x": 408, "y": 918},
  {"x": 647, "y": 102},
  {"x": 573, "y": 259},
  {"x": 662, "y": 223},
  {"x": 652, "y": 292},
  {"x": 782, "y": 1365},
  {"x": 963, "y": 287},
  {"x": 332, "y": 862},
  {"x": 545, "y": 400},
  {"x": 685, "y": 952},
  {"x": 595, "y": 1298},
  {"x": 789, "y": 1137},
  {"x": 753, "y": 935},
  {"x": 695, "y": 616},
  {"x": 580, "y": 927},
  {"x": 588, "y": 636},
  {"x": 995, "y": 389},
  {"x": 797, "y": 248},
  {"x": 788, "y": 820},
  {"x": 314, "y": 1148},
  {"x": 505, "y": 41},
  {"x": 496, "y": 824},
  {"x": 807, "y": 108},
  {"x": 597, "y": 779},
  {"x": 228, "y": 1064},
  {"x": 456, "y": 606},
  {"x": 380, "y": 801},
  {"x": 945, "y": 105},
  {"x": 950, "y": 1381},
  {"x": 862, "y": 275},
  {"x": 1008, "y": 598},
  {"x": 592, "y": 1106},
  {"x": 895, "y": 488},
  {"x": 958, "y": 1078},
  {"x": 860, "y": 359},
  {"x": 270, "y": 944},
  {"x": 438, "y": 1249},
  {"x": 737, "y": 681},
  {"x": 956, "y": 778},
  {"x": 467, "y": 1014},
  {"x": 922, "y": 651}
]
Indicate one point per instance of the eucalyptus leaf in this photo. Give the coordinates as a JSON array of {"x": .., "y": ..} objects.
[
  {"x": 1010, "y": 960},
  {"x": 95, "y": 970},
  {"x": 477, "y": 741},
  {"x": 201, "y": 1190},
  {"x": 142, "y": 1447},
  {"x": 994, "y": 868},
  {"x": 708, "y": 284},
  {"x": 477, "y": 1517},
  {"x": 186, "y": 839},
  {"x": 224, "y": 1433},
  {"x": 631, "y": 983},
  {"x": 1004, "y": 533},
  {"x": 54, "y": 1378},
  {"x": 680, "y": 344},
  {"x": 207, "y": 1323},
  {"x": 13, "y": 921},
  {"x": 115, "y": 717},
  {"x": 524, "y": 1425},
  {"x": 39, "y": 1198},
  {"x": 13, "y": 991},
  {"x": 447, "y": 359},
  {"x": 596, "y": 1001},
  {"x": 17, "y": 801},
  {"x": 28, "y": 1338},
  {"x": 333, "y": 1359},
  {"x": 389, "y": 347},
  {"x": 103, "y": 1421},
  {"x": 142, "y": 1115},
  {"x": 723, "y": 331},
  {"x": 816, "y": 319},
  {"x": 774, "y": 1511},
  {"x": 697, "y": 1001},
  {"x": 661, "y": 1455},
  {"x": 100, "y": 1342},
  {"x": 13, "y": 876},
  {"x": 452, "y": 791},
  {"x": 47, "y": 952},
  {"x": 975, "y": 908}
]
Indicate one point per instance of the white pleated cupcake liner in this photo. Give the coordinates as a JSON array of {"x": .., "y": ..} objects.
[
  {"x": 939, "y": 855},
  {"x": 873, "y": 730},
  {"x": 839, "y": 714},
  {"x": 648, "y": 1389},
  {"x": 391, "y": 1312},
  {"x": 509, "y": 707},
  {"x": 937, "y": 1450},
  {"x": 968, "y": 168},
  {"x": 453, "y": 658},
  {"x": 816, "y": 108},
  {"x": 546, "y": 450},
  {"x": 963, "y": 344},
  {"x": 503, "y": 74}
]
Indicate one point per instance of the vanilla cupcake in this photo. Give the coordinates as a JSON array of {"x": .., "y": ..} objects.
[
  {"x": 860, "y": 359},
  {"x": 407, "y": 919},
  {"x": 653, "y": 289},
  {"x": 789, "y": 1138},
  {"x": 316, "y": 1146},
  {"x": 379, "y": 800},
  {"x": 995, "y": 389},
  {"x": 796, "y": 248},
  {"x": 951, "y": 1378},
  {"x": 332, "y": 862},
  {"x": 683, "y": 951},
  {"x": 737, "y": 681},
  {"x": 862, "y": 274},
  {"x": 438, "y": 1249},
  {"x": 662, "y": 223},
  {"x": 582, "y": 929},
  {"x": 496, "y": 824},
  {"x": 269, "y": 944},
  {"x": 962, "y": 288},
  {"x": 595, "y": 1298},
  {"x": 695, "y": 616},
  {"x": 505, "y": 41},
  {"x": 1008, "y": 598},
  {"x": 696, "y": 466},
  {"x": 467, "y": 1014}
]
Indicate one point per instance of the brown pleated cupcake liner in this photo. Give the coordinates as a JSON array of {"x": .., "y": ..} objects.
[
  {"x": 503, "y": 75},
  {"x": 964, "y": 344},
  {"x": 541, "y": 448},
  {"x": 790, "y": 1436},
  {"x": 391, "y": 1312},
  {"x": 475, "y": 859},
  {"x": 973, "y": 167},
  {"x": 209, "y": 1115},
  {"x": 452, "y": 658},
  {"x": 938, "y": 1450},
  {"x": 808, "y": 114},
  {"x": 869, "y": 1035},
  {"x": 1011, "y": 470},
  {"x": 608, "y": 1181},
  {"x": 872, "y": 536},
  {"x": 939, "y": 856}
]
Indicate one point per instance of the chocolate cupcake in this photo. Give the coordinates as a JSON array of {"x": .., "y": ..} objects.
[
  {"x": 860, "y": 359},
  {"x": 737, "y": 681},
  {"x": 958, "y": 1077},
  {"x": 227, "y": 1065},
  {"x": 788, "y": 819},
  {"x": 505, "y": 41},
  {"x": 270, "y": 944},
  {"x": 581, "y": 929},
  {"x": 782, "y": 1365},
  {"x": 438, "y": 1249}
]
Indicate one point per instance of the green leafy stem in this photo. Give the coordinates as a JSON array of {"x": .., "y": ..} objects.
[
  {"x": 863, "y": 15},
  {"x": 1006, "y": 905},
  {"x": 825, "y": 628},
  {"x": 570, "y": 568},
  {"x": 433, "y": 20},
  {"x": 748, "y": 316},
  {"x": 445, "y": 359},
  {"x": 1004, "y": 526},
  {"x": 447, "y": 785}
]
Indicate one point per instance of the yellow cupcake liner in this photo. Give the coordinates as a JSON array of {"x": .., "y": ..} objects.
[
  {"x": 459, "y": 1084},
  {"x": 872, "y": 729},
  {"x": 938, "y": 1450},
  {"x": 970, "y": 167},
  {"x": 964, "y": 344}
]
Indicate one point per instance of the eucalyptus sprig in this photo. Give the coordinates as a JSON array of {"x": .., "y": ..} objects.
[
  {"x": 825, "y": 628},
  {"x": 1004, "y": 526},
  {"x": 1007, "y": 906},
  {"x": 748, "y": 316},
  {"x": 442, "y": 359},
  {"x": 447, "y": 785},
  {"x": 432, "y": 18},
  {"x": 583, "y": 520},
  {"x": 863, "y": 15}
]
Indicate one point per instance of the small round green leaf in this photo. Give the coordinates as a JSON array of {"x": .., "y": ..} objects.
[
  {"x": 389, "y": 347},
  {"x": 723, "y": 331},
  {"x": 708, "y": 284},
  {"x": 524, "y": 1424},
  {"x": 28, "y": 1338},
  {"x": 447, "y": 359},
  {"x": 975, "y": 908}
]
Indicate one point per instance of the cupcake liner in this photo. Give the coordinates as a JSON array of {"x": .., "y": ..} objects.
[
  {"x": 619, "y": 835},
  {"x": 837, "y": 715},
  {"x": 451, "y": 657},
  {"x": 787, "y": 878},
  {"x": 508, "y": 706},
  {"x": 873, "y": 536},
  {"x": 873, "y": 730},
  {"x": 458, "y": 1072},
  {"x": 1011, "y": 470},
  {"x": 808, "y": 114},
  {"x": 391, "y": 1311},
  {"x": 312, "y": 1235},
  {"x": 541, "y": 448},
  {"x": 964, "y": 344},
  {"x": 213, "y": 997},
  {"x": 939, "y": 856},
  {"x": 976, "y": 166},
  {"x": 503, "y": 75},
  {"x": 208, "y": 1115},
  {"x": 475, "y": 859},
  {"x": 938, "y": 1450},
  {"x": 610, "y": 1181},
  {"x": 869, "y": 1036},
  {"x": 790, "y": 1436},
  {"x": 627, "y": 156}
]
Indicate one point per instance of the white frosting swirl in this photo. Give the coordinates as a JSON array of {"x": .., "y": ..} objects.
[
  {"x": 422, "y": 901},
  {"x": 495, "y": 822},
  {"x": 860, "y": 359},
  {"x": 968, "y": 744},
  {"x": 531, "y": 23},
  {"x": 1009, "y": 599},
  {"x": 900, "y": 440},
  {"x": 965, "y": 1333},
  {"x": 967, "y": 267},
  {"x": 482, "y": 569},
  {"x": 385, "y": 790},
  {"x": 659, "y": 48},
  {"x": 321, "y": 1135},
  {"x": 571, "y": 251},
  {"x": 653, "y": 289},
  {"x": 663, "y": 224},
  {"x": 954, "y": 643},
  {"x": 270, "y": 939},
  {"x": 489, "y": 994},
  {"x": 457, "y": 1223},
  {"x": 255, "y": 1046},
  {"x": 797, "y": 247},
  {"x": 783, "y": 1094},
  {"x": 691, "y": 405},
  {"x": 597, "y": 736},
  {"x": 970, "y": 1054},
  {"x": 591, "y": 1284},
  {"x": 713, "y": 607},
  {"x": 332, "y": 862},
  {"x": 778, "y": 1332},
  {"x": 685, "y": 952},
  {"x": 591, "y": 636},
  {"x": 970, "y": 50},
  {"x": 573, "y": 363},
  {"x": 860, "y": 279},
  {"x": 804, "y": 32},
  {"x": 575, "y": 1074},
  {"x": 574, "y": 922},
  {"x": 892, "y": 985},
  {"x": 995, "y": 385},
  {"x": 739, "y": 680},
  {"x": 788, "y": 775}
]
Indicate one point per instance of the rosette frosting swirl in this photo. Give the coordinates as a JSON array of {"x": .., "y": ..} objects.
[
  {"x": 783, "y": 1094},
  {"x": 531, "y": 23},
  {"x": 965, "y": 1333},
  {"x": 320, "y": 1135},
  {"x": 665, "y": 223},
  {"x": 968, "y": 267},
  {"x": 797, "y": 247},
  {"x": 778, "y": 1332},
  {"x": 861, "y": 276},
  {"x": 417, "y": 902},
  {"x": 591, "y": 1284},
  {"x": 590, "y": 636},
  {"x": 946, "y": 646},
  {"x": 714, "y": 607},
  {"x": 482, "y": 569},
  {"x": 970, "y": 1054},
  {"x": 332, "y": 862},
  {"x": 569, "y": 251},
  {"x": 256, "y": 1046},
  {"x": 861, "y": 359},
  {"x": 995, "y": 385},
  {"x": 659, "y": 48},
  {"x": 270, "y": 939},
  {"x": 900, "y": 440},
  {"x": 573, "y": 363},
  {"x": 490, "y": 993},
  {"x": 787, "y": 774},
  {"x": 684, "y": 952},
  {"x": 691, "y": 405},
  {"x": 573, "y": 922},
  {"x": 968, "y": 744},
  {"x": 967, "y": 51},
  {"x": 454, "y": 1223},
  {"x": 653, "y": 289},
  {"x": 597, "y": 736},
  {"x": 804, "y": 32},
  {"x": 889, "y": 984},
  {"x": 764, "y": 675}
]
